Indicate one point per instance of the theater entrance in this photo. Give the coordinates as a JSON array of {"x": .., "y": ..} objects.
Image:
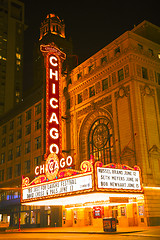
[{"x": 128, "y": 212}]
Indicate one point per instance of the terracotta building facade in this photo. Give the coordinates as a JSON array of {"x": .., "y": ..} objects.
[{"x": 117, "y": 91}]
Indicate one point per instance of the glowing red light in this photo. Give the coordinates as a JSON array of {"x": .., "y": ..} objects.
[{"x": 53, "y": 122}]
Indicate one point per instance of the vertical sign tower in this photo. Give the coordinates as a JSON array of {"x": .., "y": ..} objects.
[{"x": 53, "y": 61}]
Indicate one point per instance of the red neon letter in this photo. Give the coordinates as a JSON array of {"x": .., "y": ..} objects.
[
  {"x": 56, "y": 134},
  {"x": 51, "y": 102},
  {"x": 56, "y": 148},
  {"x": 37, "y": 170},
  {"x": 53, "y": 74},
  {"x": 54, "y": 118},
  {"x": 51, "y": 61}
]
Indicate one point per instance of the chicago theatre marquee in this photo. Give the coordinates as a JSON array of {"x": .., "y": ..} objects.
[{"x": 81, "y": 195}]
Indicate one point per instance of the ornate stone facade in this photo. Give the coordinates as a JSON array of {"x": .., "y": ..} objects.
[{"x": 123, "y": 90}]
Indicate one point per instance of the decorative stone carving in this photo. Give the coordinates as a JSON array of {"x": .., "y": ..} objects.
[
  {"x": 146, "y": 90},
  {"x": 94, "y": 105},
  {"x": 154, "y": 151},
  {"x": 123, "y": 91}
]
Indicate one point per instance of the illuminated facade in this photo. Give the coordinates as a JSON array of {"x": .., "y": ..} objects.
[
  {"x": 11, "y": 53},
  {"x": 117, "y": 92},
  {"x": 110, "y": 116}
]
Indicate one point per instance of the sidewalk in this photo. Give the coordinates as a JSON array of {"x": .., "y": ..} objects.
[{"x": 136, "y": 231}]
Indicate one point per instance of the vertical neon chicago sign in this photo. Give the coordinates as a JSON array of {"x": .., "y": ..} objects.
[{"x": 53, "y": 58}]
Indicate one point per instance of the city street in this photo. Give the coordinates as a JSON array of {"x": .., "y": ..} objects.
[{"x": 77, "y": 236}]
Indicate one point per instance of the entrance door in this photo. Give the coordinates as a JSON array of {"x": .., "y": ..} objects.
[
  {"x": 47, "y": 220},
  {"x": 115, "y": 213},
  {"x": 135, "y": 217},
  {"x": 89, "y": 218}
]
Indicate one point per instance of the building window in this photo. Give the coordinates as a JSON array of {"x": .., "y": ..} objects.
[
  {"x": 2, "y": 158},
  {"x": 37, "y": 143},
  {"x": 79, "y": 98},
  {"x": 27, "y": 147},
  {"x": 11, "y": 125},
  {"x": 140, "y": 46},
  {"x": 18, "y": 56},
  {"x": 37, "y": 124},
  {"x": 18, "y": 151},
  {"x": 10, "y": 138},
  {"x": 9, "y": 173},
  {"x": 3, "y": 196},
  {"x": 158, "y": 78},
  {"x": 16, "y": 195},
  {"x": 28, "y": 115},
  {"x": 79, "y": 75},
  {"x": 120, "y": 75},
  {"x": 27, "y": 165},
  {"x": 91, "y": 91},
  {"x": 16, "y": 11},
  {"x": 19, "y": 121},
  {"x": 117, "y": 50},
  {"x": 100, "y": 141},
  {"x": 2, "y": 175},
  {"x": 38, "y": 109},
  {"x": 18, "y": 68},
  {"x": 150, "y": 52},
  {"x": 3, "y": 142},
  {"x": 105, "y": 84},
  {"x": 144, "y": 73},
  {"x": 18, "y": 170},
  {"x": 28, "y": 129},
  {"x": 17, "y": 96},
  {"x": 19, "y": 133},
  {"x": 103, "y": 60},
  {"x": 69, "y": 81},
  {"x": 90, "y": 68},
  {"x": 4, "y": 129},
  {"x": 37, "y": 161},
  {"x": 10, "y": 155}
]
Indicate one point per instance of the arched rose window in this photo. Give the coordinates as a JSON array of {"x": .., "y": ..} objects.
[{"x": 100, "y": 141}]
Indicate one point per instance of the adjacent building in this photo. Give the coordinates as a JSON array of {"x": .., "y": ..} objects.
[
  {"x": 110, "y": 111},
  {"x": 11, "y": 53}
]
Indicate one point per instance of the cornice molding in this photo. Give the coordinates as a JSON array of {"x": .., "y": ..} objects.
[{"x": 127, "y": 55}]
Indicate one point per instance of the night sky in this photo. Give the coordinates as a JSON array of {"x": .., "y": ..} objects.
[{"x": 91, "y": 24}]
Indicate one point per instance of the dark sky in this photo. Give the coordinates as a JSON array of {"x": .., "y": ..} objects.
[{"x": 91, "y": 24}]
